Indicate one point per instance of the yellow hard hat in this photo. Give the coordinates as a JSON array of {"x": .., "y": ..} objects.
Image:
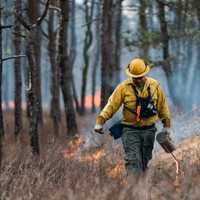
[{"x": 137, "y": 68}]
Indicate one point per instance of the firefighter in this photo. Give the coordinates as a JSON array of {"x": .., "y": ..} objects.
[{"x": 144, "y": 103}]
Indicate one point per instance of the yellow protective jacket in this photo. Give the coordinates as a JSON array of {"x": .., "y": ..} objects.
[{"x": 125, "y": 95}]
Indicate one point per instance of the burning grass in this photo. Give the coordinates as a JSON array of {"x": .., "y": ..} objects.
[{"x": 67, "y": 170}]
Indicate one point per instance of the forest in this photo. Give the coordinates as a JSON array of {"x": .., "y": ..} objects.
[{"x": 60, "y": 60}]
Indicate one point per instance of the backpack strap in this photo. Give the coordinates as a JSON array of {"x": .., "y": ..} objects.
[
  {"x": 138, "y": 105},
  {"x": 136, "y": 94},
  {"x": 135, "y": 90}
]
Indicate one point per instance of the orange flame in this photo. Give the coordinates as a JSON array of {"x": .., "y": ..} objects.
[
  {"x": 94, "y": 157},
  {"x": 116, "y": 171},
  {"x": 73, "y": 152},
  {"x": 73, "y": 148}
]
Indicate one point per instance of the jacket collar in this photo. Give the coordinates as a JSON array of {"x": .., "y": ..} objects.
[
  {"x": 147, "y": 83},
  {"x": 130, "y": 81}
]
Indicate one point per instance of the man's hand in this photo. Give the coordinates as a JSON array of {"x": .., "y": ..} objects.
[
  {"x": 166, "y": 130},
  {"x": 98, "y": 128}
]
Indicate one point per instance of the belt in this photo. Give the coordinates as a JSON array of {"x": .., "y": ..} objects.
[{"x": 139, "y": 127}]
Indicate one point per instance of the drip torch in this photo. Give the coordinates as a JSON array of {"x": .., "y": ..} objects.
[{"x": 166, "y": 143}]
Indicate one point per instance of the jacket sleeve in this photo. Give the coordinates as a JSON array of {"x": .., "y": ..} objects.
[
  {"x": 162, "y": 105},
  {"x": 113, "y": 104}
]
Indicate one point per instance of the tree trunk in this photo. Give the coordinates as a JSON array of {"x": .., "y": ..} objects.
[
  {"x": 143, "y": 30},
  {"x": 55, "y": 94},
  {"x": 75, "y": 96},
  {"x": 32, "y": 95},
  {"x": 107, "y": 70},
  {"x": 34, "y": 88},
  {"x": 179, "y": 29},
  {"x": 73, "y": 45},
  {"x": 96, "y": 55},
  {"x": 87, "y": 45},
  {"x": 164, "y": 37},
  {"x": 1, "y": 111},
  {"x": 197, "y": 6},
  {"x": 117, "y": 41},
  {"x": 151, "y": 24},
  {"x": 66, "y": 70},
  {"x": 34, "y": 14},
  {"x": 166, "y": 56},
  {"x": 6, "y": 43},
  {"x": 17, "y": 71},
  {"x": 197, "y": 72}
]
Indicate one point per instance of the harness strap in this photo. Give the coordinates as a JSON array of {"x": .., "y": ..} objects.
[
  {"x": 136, "y": 92},
  {"x": 138, "y": 105}
]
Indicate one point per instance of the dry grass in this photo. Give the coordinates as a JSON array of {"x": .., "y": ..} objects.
[{"x": 65, "y": 170}]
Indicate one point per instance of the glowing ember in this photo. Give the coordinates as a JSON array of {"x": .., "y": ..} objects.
[
  {"x": 73, "y": 152},
  {"x": 117, "y": 170},
  {"x": 74, "y": 146},
  {"x": 94, "y": 157}
]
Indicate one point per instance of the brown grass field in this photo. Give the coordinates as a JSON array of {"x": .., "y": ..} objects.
[{"x": 66, "y": 170}]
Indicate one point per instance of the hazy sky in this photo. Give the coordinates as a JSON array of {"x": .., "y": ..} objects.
[{"x": 79, "y": 1}]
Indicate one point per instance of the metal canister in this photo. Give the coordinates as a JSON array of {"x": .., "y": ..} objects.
[{"x": 165, "y": 141}]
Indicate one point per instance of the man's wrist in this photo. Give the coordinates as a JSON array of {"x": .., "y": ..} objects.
[
  {"x": 98, "y": 126},
  {"x": 165, "y": 129},
  {"x": 100, "y": 120},
  {"x": 166, "y": 123}
]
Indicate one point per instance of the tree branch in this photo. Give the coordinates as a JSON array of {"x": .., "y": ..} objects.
[
  {"x": 6, "y": 26},
  {"x": 39, "y": 20},
  {"x": 23, "y": 22},
  {"x": 12, "y": 57},
  {"x": 55, "y": 8},
  {"x": 166, "y": 3},
  {"x": 44, "y": 33},
  {"x": 90, "y": 22},
  {"x": 19, "y": 34}
]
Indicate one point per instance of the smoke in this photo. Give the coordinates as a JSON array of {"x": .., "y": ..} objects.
[{"x": 186, "y": 124}]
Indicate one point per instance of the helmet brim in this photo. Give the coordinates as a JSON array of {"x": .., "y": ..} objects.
[{"x": 138, "y": 75}]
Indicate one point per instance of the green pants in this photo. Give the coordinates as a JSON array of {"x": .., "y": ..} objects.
[{"x": 138, "y": 145}]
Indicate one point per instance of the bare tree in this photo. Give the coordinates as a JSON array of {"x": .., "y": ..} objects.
[
  {"x": 197, "y": 6},
  {"x": 32, "y": 98},
  {"x": 107, "y": 70},
  {"x": 1, "y": 111},
  {"x": 33, "y": 14},
  {"x": 1, "y": 69},
  {"x": 167, "y": 67},
  {"x": 73, "y": 52},
  {"x": 164, "y": 37},
  {"x": 55, "y": 75},
  {"x": 150, "y": 14},
  {"x": 87, "y": 45},
  {"x": 117, "y": 38},
  {"x": 96, "y": 54},
  {"x": 143, "y": 30},
  {"x": 66, "y": 70},
  {"x": 32, "y": 91},
  {"x": 17, "y": 70}
]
